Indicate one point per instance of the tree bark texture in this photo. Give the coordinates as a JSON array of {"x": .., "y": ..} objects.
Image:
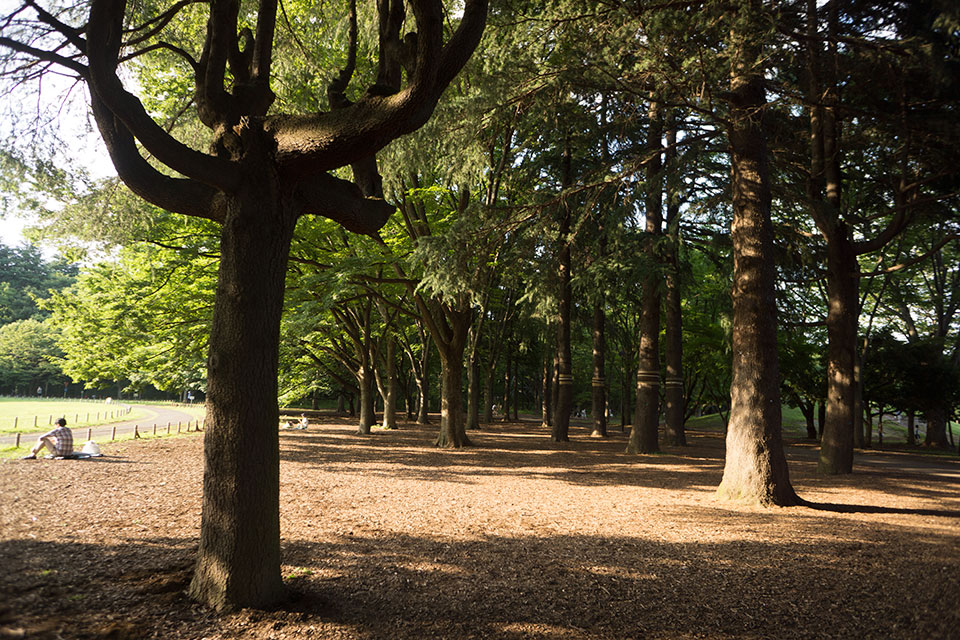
[
  {"x": 755, "y": 467},
  {"x": 836, "y": 446},
  {"x": 675, "y": 410},
  {"x": 390, "y": 399},
  {"x": 239, "y": 554},
  {"x": 599, "y": 384},
  {"x": 646, "y": 423},
  {"x": 561, "y": 418}
]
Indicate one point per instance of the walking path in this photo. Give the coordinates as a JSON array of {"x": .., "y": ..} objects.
[{"x": 160, "y": 416}]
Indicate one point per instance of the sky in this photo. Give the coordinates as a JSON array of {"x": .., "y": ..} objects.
[{"x": 70, "y": 118}]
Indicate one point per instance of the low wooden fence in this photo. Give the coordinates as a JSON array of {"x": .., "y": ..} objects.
[{"x": 193, "y": 425}]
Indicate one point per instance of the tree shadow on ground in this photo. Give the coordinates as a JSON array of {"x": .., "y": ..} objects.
[
  {"x": 523, "y": 450},
  {"x": 834, "y": 579}
]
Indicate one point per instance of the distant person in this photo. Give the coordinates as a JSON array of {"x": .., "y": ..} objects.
[
  {"x": 304, "y": 423},
  {"x": 39, "y": 391},
  {"x": 58, "y": 440}
]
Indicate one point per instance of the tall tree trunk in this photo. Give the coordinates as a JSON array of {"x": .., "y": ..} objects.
[
  {"x": 675, "y": 410},
  {"x": 452, "y": 424},
  {"x": 368, "y": 394},
  {"x": 239, "y": 555},
  {"x": 423, "y": 382},
  {"x": 564, "y": 405},
  {"x": 599, "y": 399},
  {"x": 507, "y": 373},
  {"x": 646, "y": 424},
  {"x": 808, "y": 409},
  {"x": 473, "y": 392},
  {"x": 390, "y": 399},
  {"x": 755, "y": 467},
  {"x": 836, "y": 446},
  {"x": 488, "y": 394},
  {"x": 452, "y": 431},
  {"x": 516, "y": 390},
  {"x": 546, "y": 400}
]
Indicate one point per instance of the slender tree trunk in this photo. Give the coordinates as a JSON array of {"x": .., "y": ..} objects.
[
  {"x": 646, "y": 423},
  {"x": 675, "y": 412},
  {"x": 367, "y": 383},
  {"x": 507, "y": 372},
  {"x": 599, "y": 399},
  {"x": 546, "y": 407},
  {"x": 516, "y": 390},
  {"x": 390, "y": 399},
  {"x": 755, "y": 467},
  {"x": 821, "y": 417},
  {"x": 239, "y": 556},
  {"x": 473, "y": 393},
  {"x": 808, "y": 409},
  {"x": 564, "y": 405},
  {"x": 423, "y": 382},
  {"x": 836, "y": 446},
  {"x": 488, "y": 394}
]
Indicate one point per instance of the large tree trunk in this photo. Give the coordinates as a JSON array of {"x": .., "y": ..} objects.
[
  {"x": 646, "y": 423},
  {"x": 452, "y": 431},
  {"x": 755, "y": 467},
  {"x": 239, "y": 555},
  {"x": 599, "y": 399},
  {"x": 836, "y": 447},
  {"x": 936, "y": 427}
]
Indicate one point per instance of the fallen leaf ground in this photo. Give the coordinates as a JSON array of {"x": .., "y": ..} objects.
[{"x": 384, "y": 536}]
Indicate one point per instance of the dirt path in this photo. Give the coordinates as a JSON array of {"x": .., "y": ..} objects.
[
  {"x": 384, "y": 536},
  {"x": 160, "y": 417}
]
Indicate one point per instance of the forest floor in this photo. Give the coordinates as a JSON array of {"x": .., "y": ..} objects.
[{"x": 384, "y": 536}]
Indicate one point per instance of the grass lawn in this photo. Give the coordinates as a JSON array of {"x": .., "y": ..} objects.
[
  {"x": 795, "y": 426},
  {"x": 28, "y": 415}
]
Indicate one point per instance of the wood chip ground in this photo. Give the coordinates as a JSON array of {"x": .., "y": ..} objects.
[{"x": 384, "y": 536}]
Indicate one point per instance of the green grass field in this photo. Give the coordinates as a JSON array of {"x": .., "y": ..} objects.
[
  {"x": 795, "y": 426},
  {"x": 29, "y": 416}
]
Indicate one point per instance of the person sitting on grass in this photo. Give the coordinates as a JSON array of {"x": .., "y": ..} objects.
[{"x": 58, "y": 440}]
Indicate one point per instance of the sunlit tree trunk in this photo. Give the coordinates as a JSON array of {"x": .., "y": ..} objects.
[{"x": 755, "y": 467}]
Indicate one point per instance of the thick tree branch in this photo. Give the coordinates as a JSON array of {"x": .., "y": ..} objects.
[
  {"x": 106, "y": 21},
  {"x": 321, "y": 142},
  {"x": 344, "y": 203},
  {"x": 179, "y": 195}
]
